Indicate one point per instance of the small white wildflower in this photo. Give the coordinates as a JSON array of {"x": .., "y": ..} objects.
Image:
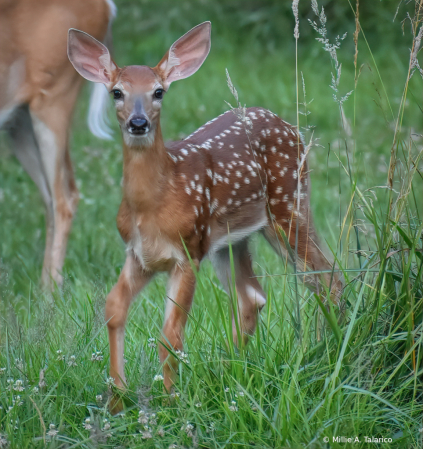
[
  {"x": 226, "y": 389},
  {"x": 98, "y": 398},
  {"x": 173, "y": 446},
  {"x": 175, "y": 395},
  {"x": 52, "y": 431},
  {"x": 97, "y": 356},
  {"x": 19, "y": 363},
  {"x": 17, "y": 401},
  {"x": 211, "y": 428},
  {"x": 158, "y": 378},
  {"x": 188, "y": 428},
  {"x": 241, "y": 393},
  {"x": 198, "y": 404},
  {"x": 152, "y": 342},
  {"x": 233, "y": 407},
  {"x": 19, "y": 385},
  {"x": 110, "y": 382},
  {"x": 106, "y": 428},
  {"x": 72, "y": 361},
  {"x": 183, "y": 357},
  {"x": 4, "y": 442},
  {"x": 160, "y": 432},
  {"x": 146, "y": 433},
  {"x": 87, "y": 424},
  {"x": 35, "y": 390},
  {"x": 2, "y": 371},
  {"x": 152, "y": 419},
  {"x": 60, "y": 357},
  {"x": 142, "y": 417}
]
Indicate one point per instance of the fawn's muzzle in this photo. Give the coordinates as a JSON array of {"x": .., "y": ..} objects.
[{"x": 138, "y": 125}]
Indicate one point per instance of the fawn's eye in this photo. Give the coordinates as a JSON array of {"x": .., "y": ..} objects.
[
  {"x": 117, "y": 94},
  {"x": 159, "y": 93}
]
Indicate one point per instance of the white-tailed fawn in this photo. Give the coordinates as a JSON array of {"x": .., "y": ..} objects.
[{"x": 237, "y": 174}]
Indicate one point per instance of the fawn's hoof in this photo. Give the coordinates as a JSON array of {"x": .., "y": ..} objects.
[{"x": 116, "y": 404}]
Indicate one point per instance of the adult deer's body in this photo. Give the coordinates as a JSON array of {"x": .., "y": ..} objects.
[
  {"x": 235, "y": 175},
  {"x": 38, "y": 91}
]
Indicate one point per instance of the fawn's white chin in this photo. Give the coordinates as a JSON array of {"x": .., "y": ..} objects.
[{"x": 138, "y": 140}]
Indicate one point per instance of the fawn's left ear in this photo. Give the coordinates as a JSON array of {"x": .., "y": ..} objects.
[
  {"x": 186, "y": 55},
  {"x": 90, "y": 57}
]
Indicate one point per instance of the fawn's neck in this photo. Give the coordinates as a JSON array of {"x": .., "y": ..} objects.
[{"x": 146, "y": 171}]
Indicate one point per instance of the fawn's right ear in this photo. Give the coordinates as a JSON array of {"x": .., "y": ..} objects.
[{"x": 90, "y": 57}]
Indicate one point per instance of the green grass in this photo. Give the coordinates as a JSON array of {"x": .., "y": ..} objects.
[{"x": 299, "y": 380}]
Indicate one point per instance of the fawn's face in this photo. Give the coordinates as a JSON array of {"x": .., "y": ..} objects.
[
  {"x": 137, "y": 94},
  {"x": 138, "y": 91}
]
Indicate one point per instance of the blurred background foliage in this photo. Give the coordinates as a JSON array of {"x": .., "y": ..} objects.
[{"x": 268, "y": 24}]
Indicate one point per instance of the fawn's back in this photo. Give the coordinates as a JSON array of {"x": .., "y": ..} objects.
[{"x": 229, "y": 171}]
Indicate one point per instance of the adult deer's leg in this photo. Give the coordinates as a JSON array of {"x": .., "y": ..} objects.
[
  {"x": 250, "y": 295},
  {"x": 131, "y": 280},
  {"x": 25, "y": 148},
  {"x": 179, "y": 299},
  {"x": 51, "y": 120}
]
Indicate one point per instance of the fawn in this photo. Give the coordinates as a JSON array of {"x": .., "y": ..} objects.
[{"x": 235, "y": 175}]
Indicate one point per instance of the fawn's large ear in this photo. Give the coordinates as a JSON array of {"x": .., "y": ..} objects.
[
  {"x": 186, "y": 55},
  {"x": 90, "y": 57}
]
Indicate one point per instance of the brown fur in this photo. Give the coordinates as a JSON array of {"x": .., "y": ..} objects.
[
  {"x": 154, "y": 198},
  {"x": 35, "y": 73},
  {"x": 235, "y": 175}
]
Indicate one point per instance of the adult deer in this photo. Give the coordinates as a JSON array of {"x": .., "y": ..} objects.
[
  {"x": 38, "y": 91},
  {"x": 237, "y": 173}
]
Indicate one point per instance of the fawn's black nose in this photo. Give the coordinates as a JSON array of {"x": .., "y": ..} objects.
[{"x": 138, "y": 125}]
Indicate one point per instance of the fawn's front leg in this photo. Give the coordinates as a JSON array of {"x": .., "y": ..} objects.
[
  {"x": 179, "y": 299},
  {"x": 131, "y": 280}
]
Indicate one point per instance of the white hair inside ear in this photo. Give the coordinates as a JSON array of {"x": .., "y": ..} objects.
[{"x": 187, "y": 54}]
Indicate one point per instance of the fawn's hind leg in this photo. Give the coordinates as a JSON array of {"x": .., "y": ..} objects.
[
  {"x": 251, "y": 297},
  {"x": 309, "y": 254}
]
